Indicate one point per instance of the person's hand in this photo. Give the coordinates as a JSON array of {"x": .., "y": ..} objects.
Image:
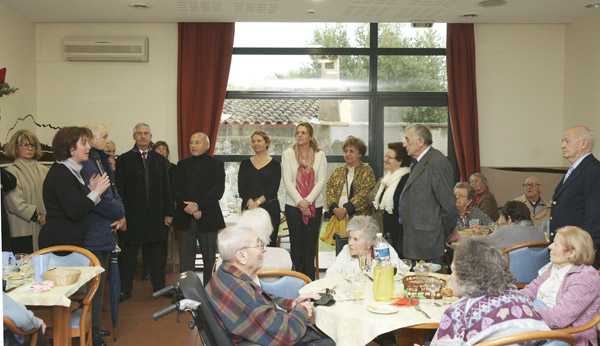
[
  {"x": 42, "y": 325},
  {"x": 118, "y": 225},
  {"x": 453, "y": 237},
  {"x": 190, "y": 207},
  {"x": 309, "y": 308},
  {"x": 99, "y": 183},
  {"x": 305, "y": 297},
  {"x": 41, "y": 219},
  {"x": 168, "y": 220},
  {"x": 251, "y": 204},
  {"x": 340, "y": 213},
  {"x": 303, "y": 204},
  {"x": 197, "y": 215}
]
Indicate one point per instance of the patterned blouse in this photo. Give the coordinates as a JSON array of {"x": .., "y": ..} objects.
[
  {"x": 472, "y": 214},
  {"x": 475, "y": 319}
]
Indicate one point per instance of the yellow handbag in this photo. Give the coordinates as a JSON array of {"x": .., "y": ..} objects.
[{"x": 334, "y": 226}]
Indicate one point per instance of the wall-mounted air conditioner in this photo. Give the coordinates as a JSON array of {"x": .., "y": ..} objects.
[{"x": 86, "y": 48}]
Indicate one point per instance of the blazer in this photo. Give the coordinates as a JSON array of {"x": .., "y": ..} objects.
[
  {"x": 358, "y": 198},
  {"x": 428, "y": 207},
  {"x": 199, "y": 179},
  {"x": 576, "y": 202},
  {"x": 146, "y": 196}
]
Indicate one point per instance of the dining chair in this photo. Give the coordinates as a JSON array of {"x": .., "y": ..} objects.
[
  {"x": 287, "y": 285},
  {"x": 81, "y": 318},
  {"x": 526, "y": 259},
  {"x": 285, "y": 239},
  {"x": 555, "y": 338},
  {"x": 340, "y": 241},
  {"x": 10, "y": 325}
]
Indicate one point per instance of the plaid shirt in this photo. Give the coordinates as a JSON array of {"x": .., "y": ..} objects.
[{"x": 250, "y": 314}]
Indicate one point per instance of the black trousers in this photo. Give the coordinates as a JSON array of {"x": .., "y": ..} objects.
[
  {"x": 187, "y": 250},
  {"x": 303, "y": 239},
  {"x": 597, "y": 258},
  {"x": 99, "y": 296},
  {"x": 128, "y": 263}
]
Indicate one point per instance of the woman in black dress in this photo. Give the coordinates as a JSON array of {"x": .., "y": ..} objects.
[
  {"x": 387, "y": 199},
  {"x": 258, "y": 181},
  {"x": 67, "y": 198}
]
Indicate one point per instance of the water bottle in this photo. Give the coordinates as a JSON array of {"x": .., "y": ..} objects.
[
  {"x": 383, "y": 271},
  {"x": 238, "y": 203}
]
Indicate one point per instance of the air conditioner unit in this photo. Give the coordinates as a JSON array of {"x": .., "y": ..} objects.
[{"x": 86, "y": 48}]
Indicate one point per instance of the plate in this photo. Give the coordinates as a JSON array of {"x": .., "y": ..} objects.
[
  {"x": 16, "y": 277},
  {"x": 382, "y": 309}
]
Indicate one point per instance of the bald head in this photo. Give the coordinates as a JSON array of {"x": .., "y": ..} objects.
[
  {"x": 533, "y": 189},
  {"x": 199, "y": 143},
  {"x": 99, "y": 138}
]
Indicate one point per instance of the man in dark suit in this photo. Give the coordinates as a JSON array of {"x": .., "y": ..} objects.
[
  {"x": 427, "y": 209},
  {"x": 576, "y": 199},
  {"x": 143, "y": 183},
  {"x": 197, "y": 188}
]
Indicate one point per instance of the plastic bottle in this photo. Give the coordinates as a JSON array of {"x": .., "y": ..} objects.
[
  {"x": 238, "y": 203},
  {"x": 383, "y": 271}
]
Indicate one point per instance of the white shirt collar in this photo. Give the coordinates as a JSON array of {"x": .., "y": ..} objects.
[
  {"x": 423, "y": 153},
  {"x": 576, "y": 163}
]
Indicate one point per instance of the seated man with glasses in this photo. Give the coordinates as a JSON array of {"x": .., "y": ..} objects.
[
  {"x": 520, "y": 228},
  {"x": 538, "y": 207},
  {"x": 244, "y": 309}
]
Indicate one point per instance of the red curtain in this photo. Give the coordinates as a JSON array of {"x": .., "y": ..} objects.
[
  {"x": 462, "y": 96},
  {"x": 205, "y": 51}
]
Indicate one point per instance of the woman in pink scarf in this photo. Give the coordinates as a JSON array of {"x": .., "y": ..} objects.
[{"x": 304, "y": 171}]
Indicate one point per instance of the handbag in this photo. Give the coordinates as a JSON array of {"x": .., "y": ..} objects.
[{"x": 334, "y": 226}]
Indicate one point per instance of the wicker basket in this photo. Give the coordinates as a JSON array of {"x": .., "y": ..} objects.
[{"x": 63, "y": 276}]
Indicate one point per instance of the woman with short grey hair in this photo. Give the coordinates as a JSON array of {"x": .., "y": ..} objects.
[
  {"x": 362, "y": 234},
  {"x": 490, "y": 306},
  {"x": 484, "y": 199}
]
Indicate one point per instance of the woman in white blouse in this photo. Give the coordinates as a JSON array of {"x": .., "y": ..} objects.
[
  {"x": 567, "y": 291},
  {"x": 304, "y": 171}
]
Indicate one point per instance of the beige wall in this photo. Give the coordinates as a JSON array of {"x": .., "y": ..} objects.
[
  {"x": 17, "y": 54},
  {"x": 118, "y": 94}
]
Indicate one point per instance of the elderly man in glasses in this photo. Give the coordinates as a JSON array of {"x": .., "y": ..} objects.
[
  {"x": 245, "y": 310},
  {"x": 539, "y": 208}
]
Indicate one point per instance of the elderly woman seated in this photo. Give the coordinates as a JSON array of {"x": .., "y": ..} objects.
[
  {"x": 567, "y": 290},
  {"x": 362, "y": 234},
  {"x": 490, "y": 306},
  {"x": 470, "y": 217}
]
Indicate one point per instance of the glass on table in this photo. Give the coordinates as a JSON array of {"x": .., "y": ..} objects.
[
  {"x": 8, "y": 269},
  {"x": 364, "y": 260},
  {"x": 421, "y": 272},
  {"x": 447, "y": 294},
  {"x": 358, "y": 290},
  {"x": 432, "y": 284}
]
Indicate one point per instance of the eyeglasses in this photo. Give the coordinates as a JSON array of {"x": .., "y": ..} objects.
[
  {"x": 27, "y": 145},
  {"x": 260, "y": 245},
  {"x": 532, "y": 185},
  {"x": 390, "y": 158}
]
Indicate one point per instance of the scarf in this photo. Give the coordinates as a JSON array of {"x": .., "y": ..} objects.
[
  {"x": 388, "y": 185},
  {"x": 305, "y": 178}
]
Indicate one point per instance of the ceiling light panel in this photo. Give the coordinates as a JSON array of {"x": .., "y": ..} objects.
[
  {"x": 256, "y": 7},
  {"x": 198, "y": 6}
]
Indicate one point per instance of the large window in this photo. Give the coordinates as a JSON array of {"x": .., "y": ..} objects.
[{"x": 366, "y": 80}]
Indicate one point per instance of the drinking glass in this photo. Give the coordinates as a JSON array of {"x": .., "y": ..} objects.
[
  {"x": 447, "y": 294},
  {"x": 432, "y": 284},
  {"x": 364, "y": 258},
  {"x": 10, "y": 266},
  {"x": 358, "y": 289},
  {"x": 421, "y": 272},
  {"x": 20, "y": 259},
  {"x": 405, "y": 269}
]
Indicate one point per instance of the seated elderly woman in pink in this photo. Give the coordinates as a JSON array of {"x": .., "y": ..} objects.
[{"x": 567, "y": 290}]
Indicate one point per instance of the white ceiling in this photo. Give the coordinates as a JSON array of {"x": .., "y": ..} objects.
[{"x": 382, "y": 11}]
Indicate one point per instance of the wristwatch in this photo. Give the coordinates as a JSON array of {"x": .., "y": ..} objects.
[{"x": 258, "y": 201}]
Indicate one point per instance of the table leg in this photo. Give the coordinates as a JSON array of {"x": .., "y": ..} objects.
[{"x": 62, "y": 325}]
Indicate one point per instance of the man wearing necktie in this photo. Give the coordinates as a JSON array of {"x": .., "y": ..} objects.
[
  {"x": 143, "y": 183},
  {"x": 576, "y": 199},
  {"x": 427, "y": 210}
]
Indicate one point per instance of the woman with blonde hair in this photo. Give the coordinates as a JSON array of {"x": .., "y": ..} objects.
[
  {"x": 25, "y": 204},
  {"x": 567, "y": 290},
  {"x": 304, "y": 169},
  {"x": 258, "y": 181}
]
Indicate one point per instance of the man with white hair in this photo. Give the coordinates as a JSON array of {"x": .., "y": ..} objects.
[
  {"x": 245, "y": 310},
  {"x": 198, "y": 186},
  {"x": 576, "y": 199},
  {"x": 107, "y": 217},
  {"x": 532, "y": 197}
]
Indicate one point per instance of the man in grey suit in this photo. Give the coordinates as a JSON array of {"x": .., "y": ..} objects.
[
  {"x": 576, "y": 199},
  {"x": 427, "y": 209}
]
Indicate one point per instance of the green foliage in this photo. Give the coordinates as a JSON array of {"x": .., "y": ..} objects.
[
  {"x": 410, "y": 73},
  {"x": 5, "y": 89}
]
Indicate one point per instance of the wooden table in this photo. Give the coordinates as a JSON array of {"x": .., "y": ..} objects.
[
  {"x": 57, "y": 298},
  {"x": 348, "y": 323}
]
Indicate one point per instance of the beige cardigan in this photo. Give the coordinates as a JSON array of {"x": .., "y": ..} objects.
[{"x": 26, "y": 198}]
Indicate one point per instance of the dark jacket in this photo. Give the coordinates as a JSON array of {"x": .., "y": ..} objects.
[
  {"x": 576, "y": 202},
  {"x": 67, "y": 207},
  {"x": 146, "y": 196},
  {"x": 199, "y": 179},
  {"x": 110, "y": 209}
]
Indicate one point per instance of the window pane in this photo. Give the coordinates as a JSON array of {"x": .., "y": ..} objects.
[
  {"x": 411, "y": 73},
  {"x": 334, "y": 120},
  {"x": 402, "y": 35},
  {"x": 397, "y": 119},
  {"x": 301, "y": 35},
  {"x": 299, "y": 73}
]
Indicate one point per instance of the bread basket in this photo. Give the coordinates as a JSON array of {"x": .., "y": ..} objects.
[{"x": 62, "y": 276}]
